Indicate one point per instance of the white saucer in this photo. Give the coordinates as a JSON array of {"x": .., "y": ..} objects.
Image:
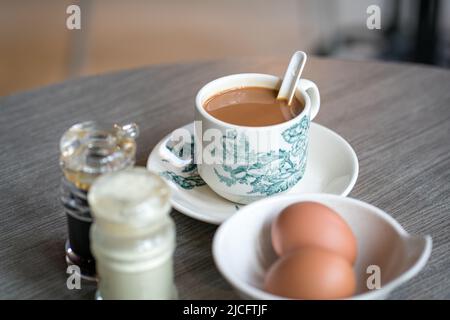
[{"x": 332, "y": 167}]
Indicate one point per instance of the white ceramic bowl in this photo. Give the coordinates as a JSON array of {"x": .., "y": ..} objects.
[{"x": 243, "y": 251}]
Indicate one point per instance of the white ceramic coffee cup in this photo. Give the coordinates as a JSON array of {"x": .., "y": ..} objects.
[{"x": 279, "y": 151}]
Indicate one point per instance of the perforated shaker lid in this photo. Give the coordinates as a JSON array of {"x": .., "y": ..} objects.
[{"x": 132, "y": 198}]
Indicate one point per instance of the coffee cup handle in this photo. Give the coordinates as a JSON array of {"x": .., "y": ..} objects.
[
  {"x": 168, "y": 155},
  {"x": 314, "y": 95}
]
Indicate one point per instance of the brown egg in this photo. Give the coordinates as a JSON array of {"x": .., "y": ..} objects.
[
  {"x": 305, "y": 224},
  {"x": 311, "y": 273}
]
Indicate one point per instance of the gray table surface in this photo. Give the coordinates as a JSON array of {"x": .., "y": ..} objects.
[{"x": 396, "y": 117}]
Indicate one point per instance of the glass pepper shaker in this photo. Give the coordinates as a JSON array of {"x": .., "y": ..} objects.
[
  {"x": 88, "y": 150},
  {"x": 133, "y": 236}
]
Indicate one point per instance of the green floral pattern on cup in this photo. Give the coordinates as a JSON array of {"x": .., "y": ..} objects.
[{"x": 271, "y": 172}]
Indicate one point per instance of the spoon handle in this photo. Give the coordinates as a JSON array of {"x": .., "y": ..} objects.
[{"x": 292, "y": 76}]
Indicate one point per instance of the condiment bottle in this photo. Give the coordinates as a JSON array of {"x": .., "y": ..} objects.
[
  {"x": 88, "y": 150},
  {"x": 133, "y": 236}
]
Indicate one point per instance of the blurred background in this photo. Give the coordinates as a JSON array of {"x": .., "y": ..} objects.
[{"x": 37, "y": 49}]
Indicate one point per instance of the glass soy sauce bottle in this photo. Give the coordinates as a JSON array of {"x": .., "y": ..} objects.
[{"x": 88, "y": 150}]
